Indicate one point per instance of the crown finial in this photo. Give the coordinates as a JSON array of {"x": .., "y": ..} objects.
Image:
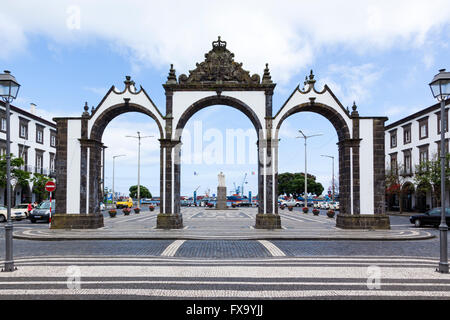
[
  {"x": 219, "y": 44},
  {"x": 128, "y": 82}
]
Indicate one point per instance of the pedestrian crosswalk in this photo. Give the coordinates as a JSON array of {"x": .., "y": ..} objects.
[{"x": 169, "y": 277}]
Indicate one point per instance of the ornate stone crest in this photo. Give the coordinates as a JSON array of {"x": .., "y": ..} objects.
[{"x": 219, "y": 67}]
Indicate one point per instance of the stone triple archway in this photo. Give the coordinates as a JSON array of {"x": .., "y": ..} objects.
[{"x": 219, "y": 80}]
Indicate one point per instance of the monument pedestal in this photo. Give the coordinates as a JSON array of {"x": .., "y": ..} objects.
[{"x": 221, "y": 198}]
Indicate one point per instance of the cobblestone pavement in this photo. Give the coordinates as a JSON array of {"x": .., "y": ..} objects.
[
  {"x": 99, "y": 277},
  {"x": 200, "y": 223}
]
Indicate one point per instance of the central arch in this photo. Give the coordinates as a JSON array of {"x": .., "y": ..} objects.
[{"x": 217, "y": 100}]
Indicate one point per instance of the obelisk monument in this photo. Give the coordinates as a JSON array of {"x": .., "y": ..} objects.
[{"x": 221, "y": 193}]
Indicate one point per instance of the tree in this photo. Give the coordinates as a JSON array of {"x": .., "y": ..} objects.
[
  {"x": 293, "y": 184},
  {"x": 39, "y": 181},
  {"x": 144, "y": 192},
  {"x": 394, "y": 182},
  {"x": 22, "y": 176},
  {"x": 428, "y": 176}
]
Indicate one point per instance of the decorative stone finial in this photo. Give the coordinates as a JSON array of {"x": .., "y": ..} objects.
[
  {"x": 92, "y": 109},
  {"x": 266, "y": 76},
  {"x": 86, "y": 110},
  {"x": 354, "y": 112},
  {"x": 128, "y": 82},
  {"x": 171, "y": 78},
  {"x": 310, "y": 81}
]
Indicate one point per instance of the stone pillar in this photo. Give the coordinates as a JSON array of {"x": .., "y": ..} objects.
[
  {"x": 221, "y": 198},
  {"x": 170, "y": 216},
  {"x": 60, "y": 194},
  {"x": 267, "y": 217}
]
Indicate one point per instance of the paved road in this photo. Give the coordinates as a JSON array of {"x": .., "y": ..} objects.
[{"x": 224, "y": 269}]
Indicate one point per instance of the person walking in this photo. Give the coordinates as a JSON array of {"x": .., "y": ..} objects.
[{"x": 29, "y": 209}]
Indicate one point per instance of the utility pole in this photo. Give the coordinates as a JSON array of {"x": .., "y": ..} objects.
[
  {"x": 332, "y": 178},
  {"x": 139, "y": 137},
  {"x": 113, "y": 194},
  {"x": 306, "y": 175}
]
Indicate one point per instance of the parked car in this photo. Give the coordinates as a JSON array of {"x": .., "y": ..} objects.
[
  {"x": 431, "y": 217},
  {"x": 291, "y": 203},
  {"x": 42, "y": 211},
  {"x": 15, "y": 215},
  {"x": 21, "y": 208},
  {"x": 124, "y": 203}
]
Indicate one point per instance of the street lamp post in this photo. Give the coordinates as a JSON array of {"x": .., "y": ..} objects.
[
  {"x": 306, "y": 175},
  {"x": 332, "y": 176},
  {"x": 114, "y": 158},
  {"x": 9, "y": 87},
  {"x": 440, "y": 87},
  {"x": 139, "y": 137}
]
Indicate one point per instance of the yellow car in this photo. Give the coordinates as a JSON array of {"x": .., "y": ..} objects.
[{"x": 124, "y": 204}]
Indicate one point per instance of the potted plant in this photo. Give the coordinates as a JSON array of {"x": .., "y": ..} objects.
[
  {"x": 126, "y": 211},
  {"x": 233, "y": 205},
  {"x": 305, "y": 209},
  {"x": 290, "y": 208},
  {"x": 330, "y": 213},
  {"x": 210, "y": 205},
  {"x": 137, "y": 210},
  {"x": 282, "y": 207},
  {"x": 316, "y": 211},
  {"x": 112, "y": 213},
  {"x": 151, "y": 207}
]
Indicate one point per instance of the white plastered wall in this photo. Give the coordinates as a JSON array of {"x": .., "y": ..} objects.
[
  {"x": 366, "y": 166},
  {"x": 73, "y": 166},
  {"x": 256, "y": 100}
]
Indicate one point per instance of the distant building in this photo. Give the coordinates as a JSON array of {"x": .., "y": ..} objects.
[
  {"x": 33, "y": 139},
  {"x": 408, "y": 142}
]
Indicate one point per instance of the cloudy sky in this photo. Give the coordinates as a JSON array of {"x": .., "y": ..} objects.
[{"x": 380, "y": 54}]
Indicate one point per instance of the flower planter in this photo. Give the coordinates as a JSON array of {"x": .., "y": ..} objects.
[
  {"x": 112, "y": 213},
  {"x": 282, "y": 207},
  {"x": 305, "y": 209},
  {"x": 316, "y": 212},
  {"x": 152, "y": 208},
  {"x": 330, "y": 213},
  {"x": 137, "y": 210},
  {"x": 233, "y": 205},
  {"x": 290, "y": 208},
  {"x": 126, "y": 211}
]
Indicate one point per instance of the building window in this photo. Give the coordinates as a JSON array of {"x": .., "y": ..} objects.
[
  {"x": 407, "y": 162},
  {"x": 52, "y": 163},
  {"x": 423, "y": 154},
  {"x": 52, "y": 138},
  {"x": 407, "y": 134},
  {"x": 2, "y": 148},
  {"x": 394, "y": 163},
  {"x": 23, "y": 131},
  {"x": 394, "y": 139},
  {"x": 39, "y": 161},
  {"x": 439, "y": 148},
  {"x": 23, "y": 153},
  {"x": 3, "y": 124},
  {"x": 438, "y": 114},
  {"x": 423, "y": 128},
  {"x": 39, "y": 134}
]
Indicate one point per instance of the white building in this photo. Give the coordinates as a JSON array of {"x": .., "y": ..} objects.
[
  {"x": 408, "y": 142},
  {"x": 32, "y": 138}
]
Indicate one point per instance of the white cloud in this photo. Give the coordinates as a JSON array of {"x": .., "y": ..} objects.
[{"x": 287, "y": 34}]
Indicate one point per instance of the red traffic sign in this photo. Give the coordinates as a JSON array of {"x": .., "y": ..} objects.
[{"x": 50, "y": 186}]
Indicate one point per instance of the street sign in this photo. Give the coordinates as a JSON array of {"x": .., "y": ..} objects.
[{"x": 50, "y": 186}]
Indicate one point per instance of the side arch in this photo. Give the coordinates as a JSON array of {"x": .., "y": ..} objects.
[
  {"x": 113, "y": 111},
  {"x": 349, "y": 187},
  {"x": 336, "y": 119}
]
